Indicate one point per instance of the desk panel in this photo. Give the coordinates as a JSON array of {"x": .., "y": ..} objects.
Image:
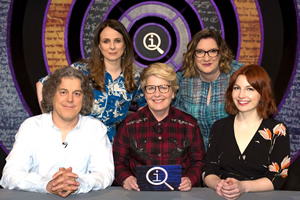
[{"x": 118, "y": 193}]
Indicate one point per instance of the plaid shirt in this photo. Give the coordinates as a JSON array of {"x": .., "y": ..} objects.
[{"x": 142, "y": 140}]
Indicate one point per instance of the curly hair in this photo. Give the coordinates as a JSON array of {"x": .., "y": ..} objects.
[
  {"x": 189, "y": 66},
  {"x": 54, "y": 80},
  {"x": 160, "y": 70},
  {"x": 259, "y": 79},
  {"x": 96, "y": 62}
]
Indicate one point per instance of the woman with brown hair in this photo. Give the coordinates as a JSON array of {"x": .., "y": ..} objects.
[
  {"x": 203, "y": 79},
  {"x": 248, "y": 151},
  {"x": 110, "y": 69}
]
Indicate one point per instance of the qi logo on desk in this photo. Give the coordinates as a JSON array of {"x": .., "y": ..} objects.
[
  {"x": 158, "y": 176},
  {"x": 150, "y": 37}
]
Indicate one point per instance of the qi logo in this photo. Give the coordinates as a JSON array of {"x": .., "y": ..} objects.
[
  {"x": 155, "y": 174},
  {"x": 152, "y": 42}
]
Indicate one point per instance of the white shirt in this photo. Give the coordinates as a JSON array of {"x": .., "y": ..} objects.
[{"x": 38, "y": 153}]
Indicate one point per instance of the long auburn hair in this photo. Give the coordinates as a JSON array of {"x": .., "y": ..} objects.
[
  {"x": 189, "y": 66},
  {"x": 96, "y": 62},
  {"x": 259, "y": 79}
]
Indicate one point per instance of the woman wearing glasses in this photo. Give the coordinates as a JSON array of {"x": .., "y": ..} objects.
[
  {"x": 203, "y": 79},
  {"x": 158, "y": 134}
]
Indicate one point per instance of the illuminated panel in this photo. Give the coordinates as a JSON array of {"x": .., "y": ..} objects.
[
  {"x": 54, "y": 40},
  {"x": 250, "y": 31}
]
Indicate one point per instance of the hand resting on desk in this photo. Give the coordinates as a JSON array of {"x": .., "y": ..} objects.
[{"x": 63, "y": 182}]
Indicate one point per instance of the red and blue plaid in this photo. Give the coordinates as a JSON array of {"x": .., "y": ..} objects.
[{"x": 142, "y": 140}]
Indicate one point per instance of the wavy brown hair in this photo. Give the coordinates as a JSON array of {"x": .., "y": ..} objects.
[
  {"x": 96, "y": 62},
  {"x": 189, "y": 66},
  {"x": 54, "y": 80},
  {"x": 259, "y": 79}
]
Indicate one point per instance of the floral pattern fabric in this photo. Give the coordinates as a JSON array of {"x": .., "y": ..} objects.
[
  {"x": 267, "y": 154},
  {"x": 111, "y": 106}
]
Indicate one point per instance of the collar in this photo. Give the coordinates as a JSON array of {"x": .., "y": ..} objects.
[
  {"x": 108, "y": 75},
  {"x": 153, "y": 121},
  {"x": 49, "y": 120}
]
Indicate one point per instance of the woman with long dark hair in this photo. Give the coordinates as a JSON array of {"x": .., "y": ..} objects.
[{"x": 112, "y": 74}]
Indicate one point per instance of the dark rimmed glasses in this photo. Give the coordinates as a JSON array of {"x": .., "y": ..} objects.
[
  {"x": 211, "y": 53},
  {"x": 150, "y": 89}
]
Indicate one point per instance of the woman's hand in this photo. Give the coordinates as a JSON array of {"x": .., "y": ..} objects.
[
  {"x": 219, "y": 186},
  {"x": 130, "y": 183},
  {"x": 185, "y": 185},
  {"x": 231, "y": 188}
]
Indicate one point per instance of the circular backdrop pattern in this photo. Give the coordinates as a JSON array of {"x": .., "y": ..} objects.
[
  {"x": 169, "y": 23},
  {"x": 47, "y": 34}
]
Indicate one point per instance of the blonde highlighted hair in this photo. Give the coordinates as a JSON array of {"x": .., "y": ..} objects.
[{"x": 160, "y": 70}]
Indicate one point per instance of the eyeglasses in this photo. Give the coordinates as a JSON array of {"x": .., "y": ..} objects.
[
  {"x": 211, "y": 53},
  {"x": 150, "y": 89}
]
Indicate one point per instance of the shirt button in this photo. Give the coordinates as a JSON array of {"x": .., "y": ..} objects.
[
  {"x": 159, "y": 137},
  {"x": 158, "y": 124},
  {"x": 159, "y": 154}
]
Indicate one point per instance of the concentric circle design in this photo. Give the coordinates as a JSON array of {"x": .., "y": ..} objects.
[
  {"x": 47, "y": 34},
  {"x": 172, "y": 19}
]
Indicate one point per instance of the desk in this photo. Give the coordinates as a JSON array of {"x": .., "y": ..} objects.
[{"x": 118, "y": 193}]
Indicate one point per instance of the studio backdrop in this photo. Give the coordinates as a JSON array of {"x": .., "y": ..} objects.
[{"x": 37, "y": 37}]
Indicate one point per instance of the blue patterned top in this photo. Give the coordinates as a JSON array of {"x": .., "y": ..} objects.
[
  {"x": 111, "y": 106},
  {"x": 192, "y": 98}
]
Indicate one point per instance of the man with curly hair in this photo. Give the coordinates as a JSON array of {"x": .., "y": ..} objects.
[{"x": 61, "y": 151}]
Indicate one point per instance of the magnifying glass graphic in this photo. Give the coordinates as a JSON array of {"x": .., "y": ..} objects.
[
  {"x": 151, "y": 46},
  {"x": 161, "y": 182}
]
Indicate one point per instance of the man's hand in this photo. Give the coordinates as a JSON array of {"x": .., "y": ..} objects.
[
  {"x": 130, "y": 183},
  {"x": 63, "y": 182}
]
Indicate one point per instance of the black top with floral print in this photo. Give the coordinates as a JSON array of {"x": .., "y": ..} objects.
[{"x": 267, "y": 154}]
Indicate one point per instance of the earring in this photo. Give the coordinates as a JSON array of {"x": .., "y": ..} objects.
[{"x": 123, "y": 55}]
